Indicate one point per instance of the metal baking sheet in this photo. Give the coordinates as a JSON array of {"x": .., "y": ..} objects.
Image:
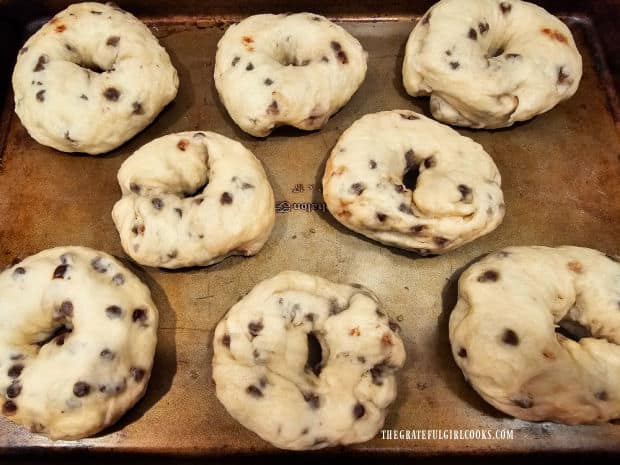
[{"x": 560, "y": 172}]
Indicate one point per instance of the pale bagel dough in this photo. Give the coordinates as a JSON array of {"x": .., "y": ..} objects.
[
  {"x": 490, "y": 63},
  {"x": 70, "y": 385},
  {"x": 457, "y": 197},
  {"x": 62, "y": 99},
  {"x": 165, "y": 219},
  {"x": 503, "y": 333},
  {"x": 263, "y": 374},
  {"x": 288, "y": 69}
]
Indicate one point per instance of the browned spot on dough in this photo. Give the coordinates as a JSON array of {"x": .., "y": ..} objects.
[
  {"x": 247, "y": 43},
  {"x": 548, "y": 354},
  {"x": 61, "y": 28},
  {"x": 555, "y": 35},
  {"x": 386, "y": 339},
  {"x": 182, "y": 144},
  {"x": 355, "y": 332},
  {"x": 575, "y": 267}
]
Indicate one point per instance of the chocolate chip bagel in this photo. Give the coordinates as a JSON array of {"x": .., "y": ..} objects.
[{"x": 536, "y": 331}]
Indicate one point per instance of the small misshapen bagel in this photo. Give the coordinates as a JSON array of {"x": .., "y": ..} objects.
[
  {"x": 90, "y": 79},
  {"x": 267, "y": 382},
  {"x": 193, "y": 199},
  {"x": 509, "y": 331},
  {"x": 457, "y": 197},
  {"x": 77, "y": 339},
  {"x": 490, "y": 63},
  {"x": 288, "y": 69}
]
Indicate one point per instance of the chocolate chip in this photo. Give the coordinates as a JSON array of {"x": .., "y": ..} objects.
[
  {"x": 399, "y": 188},
  {"x": 488, "y": 276},
  {"x": 376, "y": 373},
  {"x": 198, "y": 200},
  {"x": 334, "y": 308},
  {"x": 226, "y": 340},
  {"x": 94, "y": 12},
  {"x": 305, "y": 431},
  {"x": 372, "y": 164},
  {"x": 66, "y": 309},
  {"x": 324, "y": 59},
  {"x": 113, "y": 41},
  {"x": 137, "y": 108},
  {"x": 9, "y": 408},
  {"x": 404, "y": 208},
  {"x": 472, "y": 34},
  {"x": 15, "y": 370},
  {"x": 98, "y": 265},
  {"x": 182, "y": 144},
  {"x": 107, "y": 354},
  {"x": 41, "y": 96},
  {"x": 41, "y": 62},
  {"x": 342, "y": 57},
  {"x": 440, "y": 241},
  {"x": 23, "y": 50},
  {"x": 235, "y": 61},
  {"x": 273, "y": 108},
  {"x": 602, "y": 395},
  {"x": 361, "y": 359},
  {"x": 426, "y": 18},
  {"x": 358, "y": 411},
  {"x": 510, "y": 337},
  {"x": 464, "y": 190},
  {"x": 379, "y": 313},
  {"x": 114, "y": 311},
  {"x": 462, "y": 352},
  {"x": 118, "y": 279},
  {"x": 158, "y": 203},
  {"x": 179, "y": 212},
  {"x": 112, "y": 94},
  {"x": 19, "y": 271},
  {"x": 430, "y": 162},
  {"x": 523, "y": 402},
  {"x": 381, "y": 217},
  {"x": 226, "y": 198},
  {"x": 255, "y": 327},
  {"x": 395, "y": 327},
  {"x": 81, "y": 389},
  {"x": 268, "y": 82},
  {"x": 68, "y": 137},
  {"x": 137, "y": 373},
  {"x": 139, "y": 314},
  {"x": 410, "y": 117},
  {"x": 59, "y": 272},
  {"x": 562, "y": 76},
  {"x": 247, "y": 185},
  {"x": 454, "y": 64},
  {"x": 254, "y": 391},
  {"x": 14, "y": 390},
  {"x": 309, "y": 317},
  {"x": 249, "y": 67},
  {"x": 505, "y": 7},
  {"x": 335, "y": 46},
  {"x": 312, "y": 399},
  {"x": 357, "y": 188},
  {"x": 483, "y": 28},
  {"x": 409, "y": 159}
]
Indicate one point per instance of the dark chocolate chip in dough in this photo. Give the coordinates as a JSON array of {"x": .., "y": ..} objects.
[
  {"x": 9, "y": 408},
  {"x": 472, "y": 34},
  {"x": 19, "y": 271},
  {"x": 404, "y": 208},
  {"x": 273, "y": 108},
  {"x": 488, "y": 276},
  {"x": 66, "y": 309},
  {"x": 309, "y": 317},
  {"x": 399, "y": 188},
  {"x": 135, "y": 188},
  {"x": 601, "y": 395},
  {"x": 173, "y": 254},
  {"x": 255, "y": 327},
  {"x": 510, "y": 337},
  {"x": 430, "y": 162},
  {"x": 335, "y": 46},
  {"x": 254, "y": 391},
  {"x": 179, "y": 212},
  {"x": 139, "y": 315},
  {"x": 226, "y": 198},
  {"x": 137, "y": 108},
  {"x": 15, "y": 370},
  {"x": 324, "y": 59},
  {"x": 137, "y": 373},
  {"x": 505, "y": 7},
  {"x": 14, "y": 390},
  {"x": 426, "y": 19},
  {"x": 361, "y": 359},
  {"x": 113, "y": 41},
  {"x": 379, "y": 313},
  {"x": 454, "y": 64},
  {"x": 395, "y": 327},
  {"x": 23, "y": 50},
  {"x": 342, "y": 57},
  {"x": 94, "y": 12},
  {"x": 440, "y": 241},
  {"x": 81, "y": 389},
  {"x": 358, "y": 411},
  {"x": 312, "y": 399},
  {"x": 483, "y": 27},
  {"x": 107, "y": 354},
  {"x": 249, "y": 67},
  {"x": 465, "y": 191},
  {"x": 235, "y": 60},
  {"x": 462, "y": 352},
  {"x": 376, "y": 373},
  {"x": 409, "y": 159},
  {"x": 41, "y": 96},
  {"x": 247, "y": 185},
  {"x": 41, "y": 62},
  {"x": 118, "y": 279},
  {"x": 114, "y": 311},
  {"x": 112, "y": 94},
  {"x": 381, "y": 217},
  {"x": 98, "y": 265},
  {"x": 562, "y": 76},
  {"x": 334, "y": 308},
  {"x": 357, "y": 188},
  {"x": 59, "y": 272},
  {"x": 158, "y": 203},
  {"x": 226, "y": 340},
  {"x": 268, "y": 82},
  {"x": 372, "y": 164}
]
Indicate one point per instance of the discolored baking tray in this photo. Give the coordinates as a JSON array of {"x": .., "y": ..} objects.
[{"x": 561, "y": 178}]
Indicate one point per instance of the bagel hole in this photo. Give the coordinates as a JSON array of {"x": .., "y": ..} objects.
[
  {"x": 64, "y": 329},
  {"x": 572, "y": 329},
  {"x": 410, "y": 178},
  {"x": 314, "y": 362}
]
